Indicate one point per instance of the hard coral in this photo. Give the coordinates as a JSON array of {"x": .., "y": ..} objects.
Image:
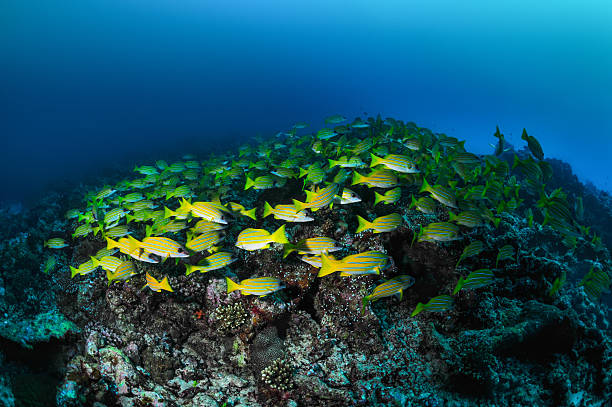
[{"x": 278, "y": 375}]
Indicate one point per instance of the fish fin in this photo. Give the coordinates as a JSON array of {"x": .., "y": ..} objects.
[
  {"x": 169, "y": 212},
  {"x": 250, "y": 213},
  {"x": 279, "y": 236},
  {"x": 375, "y": 160},
  {"x": 365, "y": 301},
  {"x": 357, "y": 178},
  {"x": 420, "y": 306},
  {"x": 249, "y": 183},
  {"x": 299, "y": 206},
  {"x": 111, "y": 244},
  {"x": 148, "y": 230},
  {"x": 378, "y": 198},
  {"x": 189, "y": 268},
  {"x": 424, "y": 186},
  {"x": 288, "y": 249},
  {"x": 459, "y": 285},
  {"x": 267, "y": 210},
  {"x": 362, "y": 224},
  {"x": 231, "y": 286},
  {"x": 165, "y": 285},
  {"x": 73, "y": 271},
  {"x": 328, "y": 265},
  {"x": 451, "y": 216},
  {"x": 332, "y": 163},
  {"x": 302, "y": 172}
]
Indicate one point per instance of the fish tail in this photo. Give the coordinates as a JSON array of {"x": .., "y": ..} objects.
[
  {"x": 46, "y": 244},
  {"x": 73, "y": 271},
  {"x": 302, "y": 172},
  {"x": 299, "y": 206},
  {"x": 420, "y": 306},
  {"x": 169, "y": 195},
  {"x": 377, "y": 198},
  {"x": 249, "y": 183},
  {"x": 109, "y": 277},
  {"x": 231, "y": 286},
  {"x": 111, "y": 244},
  {"x": 459, "y": 261},
  {"x": 267, "y": 211},
  {"x": 357, "y": 178},
  {"x": 250, "y": 213},
  {"x": 375, "y": 160},
  {"x": 328, "y": 265},
  {"x": 165, "y": 285},
  {"x": 189, "y": 268},
  {"x": 129, "y": 218},
  {"x": 459, "y": 285},
  {"x": 451, "y": 216},
  {"x": 288, "y": 249},
  {"x": 413, "y": 203},
  {"x": 363, "y": 224},
  {"x": 364, "y": 303},
  {"x": 169, "y": 212},
  {"x": 148, "y": 230},
  {"x": 332, "y": 163},
  {"x": 279, "y": 236},
  {"x": 425, "y": 186}
]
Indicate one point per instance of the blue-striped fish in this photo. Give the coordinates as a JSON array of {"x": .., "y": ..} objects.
[
  {"x": 505, "y": 253},
  {"x": 424, "y": 204},
  {"x": 335, "y": 119},
  {"x": 324, "y": 197},
  {"x": 363, "y": 146},
  {"x": 389, "y": 197},
  {"x": 83, "y": 269},
  {"x": 131, "y": 198},
  {"x": 124, "y": 271},
  {"x": 346, "y": 162},
  {"x": 255, "y": 239},
  {"x": 203, "y": 225},
  {"x": 157, "y": 286},
  {"x": 534, "y": 145},
  {"x": 113, "y": 217},
  {"x": 55, "y": 243},
  {"x": 213, "y": 262},
  {"x": 470, "y": 250},
  {"x": 436, "y": 304},
  {"x": 108, "y": 263},
  {"x": 377, "y": 178},
  {"x": 237, "y": 208},
  {"x": 49, "y": 264},
  {"x": 370, "y": 262},
  {"x": 349, "y": 197},
  {"x": 204, "y": 241},
  {"x": 439, "y": 231},
  {"x": 381, "y": 224},
  {"x": 441, "y": 194},
  {"x": 206, "y": 210},
  {"x": 326, "y": 134},
  {"x": 255, "y": 286},
  {"x": 393, "y": 286},
  {"x": 475, "y": 279},
  {"x": 161, "y": 246},
  {"x": 82, "y": 230},
  {"x": 286, "y": 212},
  {"x": 259, "y": 183},
  {"x": 313, "y": 245},
  {"x": 395, "y": 162},
  {"x": 314, "y": 260},
  {"x": 146, "y": 170},
  {"x": 182, "y": 191},
  {"x": 470, "y": 219}
]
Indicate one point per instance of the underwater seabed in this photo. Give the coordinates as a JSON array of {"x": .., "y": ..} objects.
[{"x": 504, "y": 297}]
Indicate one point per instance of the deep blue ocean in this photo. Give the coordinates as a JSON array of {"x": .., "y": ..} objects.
[{"x": 87, "y": 86}]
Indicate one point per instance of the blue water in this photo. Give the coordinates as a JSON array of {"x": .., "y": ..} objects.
[{"x": 88, "y": 86}]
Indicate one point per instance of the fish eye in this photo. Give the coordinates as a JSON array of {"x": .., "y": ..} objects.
[{"x": 180, "y": 250}]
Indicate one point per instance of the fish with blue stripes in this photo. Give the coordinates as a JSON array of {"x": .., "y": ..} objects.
[
  {"x": 395, "y": 162},
  {"x": 369, "y": 262},
  {"x": 204, "y": 241},
  {"x": 255, "y": 286},
  {"x": 254, "y": 239},
  {"x": 83, "y": 269},
  {"x": 348, "y": 197},
  {"x": 156, "y": 285},
  {"x": 124, "y": 271},
  {"x": 387, "y": 223},
  {"x": 440, "y": 193},
  {"x": 213, "y": 262},
  {"x": 439, "y": 232},
  {"x": 389, "y": 197},
  {"x": 475, "y": 279},
  {"x": 325, "y": 197},
  {"x": 376, "y": 178},
  {"x": 506, "y": 252},
  {"x": 55, "y": 243},
  {"x": 471, "y": 250},
  {"x": 286, "y": 212},
  {"x": 313, "y": 245},
  {"x": 161, "y": 246},
  {"x": 469, "y": 219},
  {"x": 437, "y": 304},
  {"x": 394, "y": 286}
]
